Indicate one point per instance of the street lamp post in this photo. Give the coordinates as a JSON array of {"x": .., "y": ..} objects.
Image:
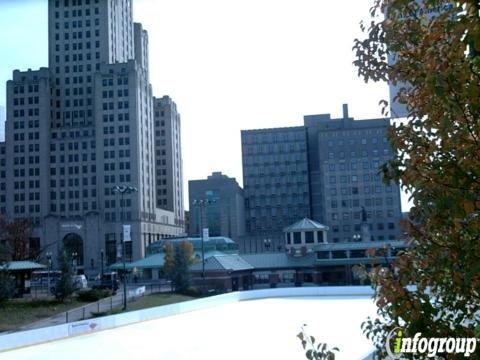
[
  {"x": 202, "y": 206},
  {"x": 49, "y": 267},
  {"x": 267, "y": 243},
  {"x": 122, "y": 190},
  {"x": 74, "y": 262},
  {"x": 101, "y": 265},
  {"x": 357, "y": 237}
]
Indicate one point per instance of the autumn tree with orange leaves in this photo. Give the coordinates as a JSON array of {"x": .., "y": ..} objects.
[{"x": 436, "y": 158}]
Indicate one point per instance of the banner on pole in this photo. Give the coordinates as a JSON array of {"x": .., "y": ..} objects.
[{"x": 126, "y": 233}]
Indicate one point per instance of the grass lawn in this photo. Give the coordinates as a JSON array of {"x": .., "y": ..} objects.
[
  {"x": 157, "y": 300},
  {"x": 18, "y": 312}
]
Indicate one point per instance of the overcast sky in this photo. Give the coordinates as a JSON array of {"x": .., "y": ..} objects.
[{"x": 228, "y": 64}]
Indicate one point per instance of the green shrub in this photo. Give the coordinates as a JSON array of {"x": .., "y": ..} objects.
[
  {"x": 7, "y": 286},
  {"x": 93, "y": 295},
  {"x": 193, "y": 292}
]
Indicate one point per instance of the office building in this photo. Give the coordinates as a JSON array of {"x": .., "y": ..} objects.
[
  {"x": 326, "y": 170},
  {"x": 216, "y": 203},
  {"x": 168, "y": 158},
  {"x": 80, "y": 127},
  {"x": 275, "y": 178}
]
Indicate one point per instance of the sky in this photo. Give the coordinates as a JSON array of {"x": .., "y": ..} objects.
[{"x": 229, "y": 65}]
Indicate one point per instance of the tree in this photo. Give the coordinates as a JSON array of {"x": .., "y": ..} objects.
[
  {"x": 16, "y": 236},
  {"x": 183, "y": 258},
  {"x": 169, "y": 264},
  {"x": 64, "y": 286},
  {"x": 436, "y": 158},
  {"x": 176, "y": 265}
]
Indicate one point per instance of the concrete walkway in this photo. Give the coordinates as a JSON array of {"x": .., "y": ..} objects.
[{"x": 85, "y": 312}]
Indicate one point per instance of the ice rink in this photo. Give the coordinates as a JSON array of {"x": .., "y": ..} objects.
[{"x": 254, "y": 329}]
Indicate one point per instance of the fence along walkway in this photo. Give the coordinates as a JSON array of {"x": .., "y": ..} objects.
[{"x": 103, "y": 305}]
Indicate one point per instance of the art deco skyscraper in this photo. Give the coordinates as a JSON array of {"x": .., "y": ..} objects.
[
  {"x": 82, "y": 126},
  {"x": 168, "y": 155}
]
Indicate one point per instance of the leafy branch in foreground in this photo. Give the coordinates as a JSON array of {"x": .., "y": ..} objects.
[
  {"x": 320, "y": 351},
  {"x": 436, "y": 46}
]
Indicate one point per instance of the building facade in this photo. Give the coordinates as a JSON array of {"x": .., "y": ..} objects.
[
  {"x": 275, "y": 179},
  {"x": 2, "y": 123},
  {"x": 168, "y": 158},
  {"x": 216, "y": 203},
  {"x": 80, "y": 127},
  {"x": 326, "y": 170}
]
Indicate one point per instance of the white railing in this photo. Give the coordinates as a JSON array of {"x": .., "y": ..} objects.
[{"x": 31, "y": 337}]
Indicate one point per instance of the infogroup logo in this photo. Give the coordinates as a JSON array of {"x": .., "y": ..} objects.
[{"x": 397, "y": 344}]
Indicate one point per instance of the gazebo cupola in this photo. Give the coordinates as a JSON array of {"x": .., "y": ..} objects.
[{"x": 301, "y": 237}]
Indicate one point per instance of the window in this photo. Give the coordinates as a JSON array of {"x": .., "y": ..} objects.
[
  {"x": 309, "y": 237},
  {"x": 297, "y": 238}
]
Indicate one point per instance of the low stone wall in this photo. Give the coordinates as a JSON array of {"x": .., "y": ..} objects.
[{"x": 32, "y": 337}]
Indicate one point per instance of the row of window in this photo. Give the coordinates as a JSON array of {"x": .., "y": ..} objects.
[
  {"x": 111, "y": 204},
  {"x": 355, "y": 178},
  {"x": 347, "y": 215},
  {"x": 21, "y": 89},
  {"x": 358, "y": 153},
  {"x": 73, "y": 170},
  {"x": 20, "y": 136},
  {"x": 29, "y": 112},
  {"x": 111, "y": 179},
  {"x": 274, "y": 159},
  {"x": 123, "y": 80},
  {"x": 21, "y": 172},
  {"x": 121, "y": 154},
  {"x": 297, "y": 165},
  {"x": 358, "y": 227},
  {"x": 352, "y": 142},
  {"x": 31, "y": 100},
  {"x": 31, "y": 196},
  {"x": 72, "y": 206},
  {"x": 274, "y": 148},
  {"x": 32, "y": 184},
  {"x": 347, "y": 203},
  {"x": 72, "y": 158},
  {"x": 71, "y": 146},
  {"x": 111, "y": 129},
  {"x": 111, "y": 141},
  {"x": 93, "y": 181},
  {"x": 79, "y": 24},
  {"x": 75, "y": 13},
  {"x": 272, "y": 137},
  {"x": 112, "y": 216},
  {"x": 109, "y": 93},
  {"x": 32, "y": 124},
  {"x": 21, "y": 160},
  {"x": 72, "y": 194},
  {"x": 74, "y": 134},
  {"x": 110, "y": 105},
  {"x": 296, "y": 196},
  {"x": 120, "y": 117},
  {"x": 21, "y": 148},
  {"x": 74, "y": 3},
  {"x": 354, "y": 190}
]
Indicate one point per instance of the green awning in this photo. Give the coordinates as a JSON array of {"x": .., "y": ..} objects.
[{"x": 22, "y": 265}]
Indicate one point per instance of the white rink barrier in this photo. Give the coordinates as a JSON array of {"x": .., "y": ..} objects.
[{"x": 31, "y": 337}]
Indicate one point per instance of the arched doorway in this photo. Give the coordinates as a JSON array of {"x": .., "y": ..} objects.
[{"x": 73, "y": 246}]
